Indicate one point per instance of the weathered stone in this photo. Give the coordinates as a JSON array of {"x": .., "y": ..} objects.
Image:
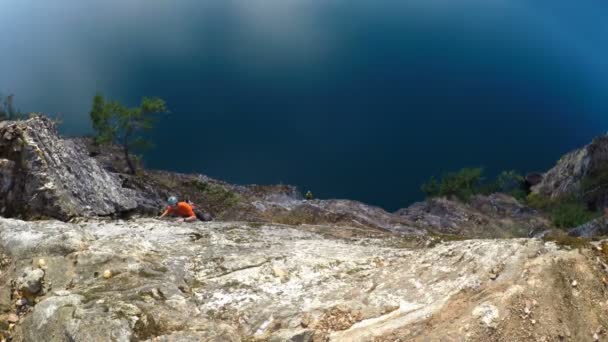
[
  {"x": 348, "y": 271},
  {"x": 62, "y": 318},
  {"x": 218, "y": 281},
  {"x": 42, "y": 175},
  {"x": 280, "y": 273},
  {"x": 487, "y": 314},
  {"x": 21, "y": 302},
  {"x": 497, "y": 215},
  {"x": 28, "y": 240},
  {"x": 301, "y": 335},
  {"x": 30, "y": 281},
  {"x": 565, "y": 178},
  {"x": 12, "y": 318},
  {"x": 597, "y": 227}
]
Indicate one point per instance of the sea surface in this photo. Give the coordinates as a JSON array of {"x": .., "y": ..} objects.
[{"x": 349, "y": 99}]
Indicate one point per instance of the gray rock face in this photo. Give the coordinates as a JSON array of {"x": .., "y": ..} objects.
[
  {"x": 497, "y": 215},
  {"x": 597, "y": 227},
  {"x": 236, "y": 281},
  {"x": 42, "y": 175},
  {"x": 290, "y": 210},
  {"x": 30, "y": 281},
  {"x": 565, "y": 178}
]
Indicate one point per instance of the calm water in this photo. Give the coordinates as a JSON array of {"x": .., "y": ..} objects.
[{"x": 351, "y": 99}]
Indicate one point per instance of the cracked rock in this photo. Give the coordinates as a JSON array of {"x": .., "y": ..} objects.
[{"x": 30, "y": 281}]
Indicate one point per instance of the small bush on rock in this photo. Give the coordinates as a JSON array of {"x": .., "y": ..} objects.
[
  {"x": 462, "y": 184},
  {"x": 565, "y": 212},
  {"x": 595, "y": 184},
  {"x": 469, "y": 182},
  {"x": 8, "y": 110}
]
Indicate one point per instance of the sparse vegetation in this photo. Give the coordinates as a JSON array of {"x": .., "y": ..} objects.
[
  {"x": 115, "y": 123},
  {"x": 595, "y": 184},
  {"x": 8, "y": 110},
  {"x": 469, "y": 181},
  {"x": 512, "y": 183},
  {"x": 565, "y": 212},
  {"x": 462, "y": 184},
  {"x": 563, "y": 240},
  {"x": 216, "y": 195}
]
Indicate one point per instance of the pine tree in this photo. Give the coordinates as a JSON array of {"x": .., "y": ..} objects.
[{"x": 115, "y": 123}]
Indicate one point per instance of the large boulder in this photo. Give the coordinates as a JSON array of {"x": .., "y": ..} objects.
[{"x": 43, "y": 175}]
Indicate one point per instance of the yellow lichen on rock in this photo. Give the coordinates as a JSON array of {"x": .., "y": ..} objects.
[{"x": 107, "y": 274}]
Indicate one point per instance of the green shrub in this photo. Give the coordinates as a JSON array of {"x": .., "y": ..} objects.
[
  {"x": 462, "y": 184},
  {"x": 8, "y": 110},
  {"x": 431, "y": 188},
  {"x": 571, "y": 214},
  {"x": 488, "y": 188},
  {"x": 216, "y": 195},
  {"x": 540, "y": 202},
  {"x": 469, "y": 181},
  {"x": 565, "y": 212},
  {"x": 512, "y": 183},
  {"x": 507, "y": 182},
  {"x": 595, "y": 184}
]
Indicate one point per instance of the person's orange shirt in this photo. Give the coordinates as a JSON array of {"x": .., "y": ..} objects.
[{"x": 183, "y": 209}]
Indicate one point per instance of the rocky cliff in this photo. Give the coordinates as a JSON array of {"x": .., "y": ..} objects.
[
  {"x": 148, "y": 280},
  {"x": 42, "y": 175},
  {"x": 579, "y": 173},
  {"x": 497, "y": 215},
  {"x": 275, "y": 267}
]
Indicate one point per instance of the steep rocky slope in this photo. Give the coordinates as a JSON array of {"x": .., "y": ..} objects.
[
  {"x": 497, "y": 215},
  {"x": 44, "y": 176},
  {"x": 165, "y": 281},
  {"x": 573, "y": 169},
  {"x": 274, "y": 267}
]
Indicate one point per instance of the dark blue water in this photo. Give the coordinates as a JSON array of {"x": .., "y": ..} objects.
[{"x": 350, "y": 99}]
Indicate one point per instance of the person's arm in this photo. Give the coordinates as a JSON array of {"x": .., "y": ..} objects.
[
  {"x": 190, "y": 219},
  {"x": 164, "y": 214}
]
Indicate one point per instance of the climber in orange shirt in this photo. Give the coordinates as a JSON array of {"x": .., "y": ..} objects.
[{"x": 181, "y": 209}]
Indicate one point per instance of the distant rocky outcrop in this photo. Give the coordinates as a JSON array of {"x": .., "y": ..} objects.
[
  {"x": 567, "y": 177},
  {"x": 42, "y": 175},
  {"x": 497, "y": 215},
  {"x": 597, "y": 227},
  {"x": 336, "y": 212}
]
